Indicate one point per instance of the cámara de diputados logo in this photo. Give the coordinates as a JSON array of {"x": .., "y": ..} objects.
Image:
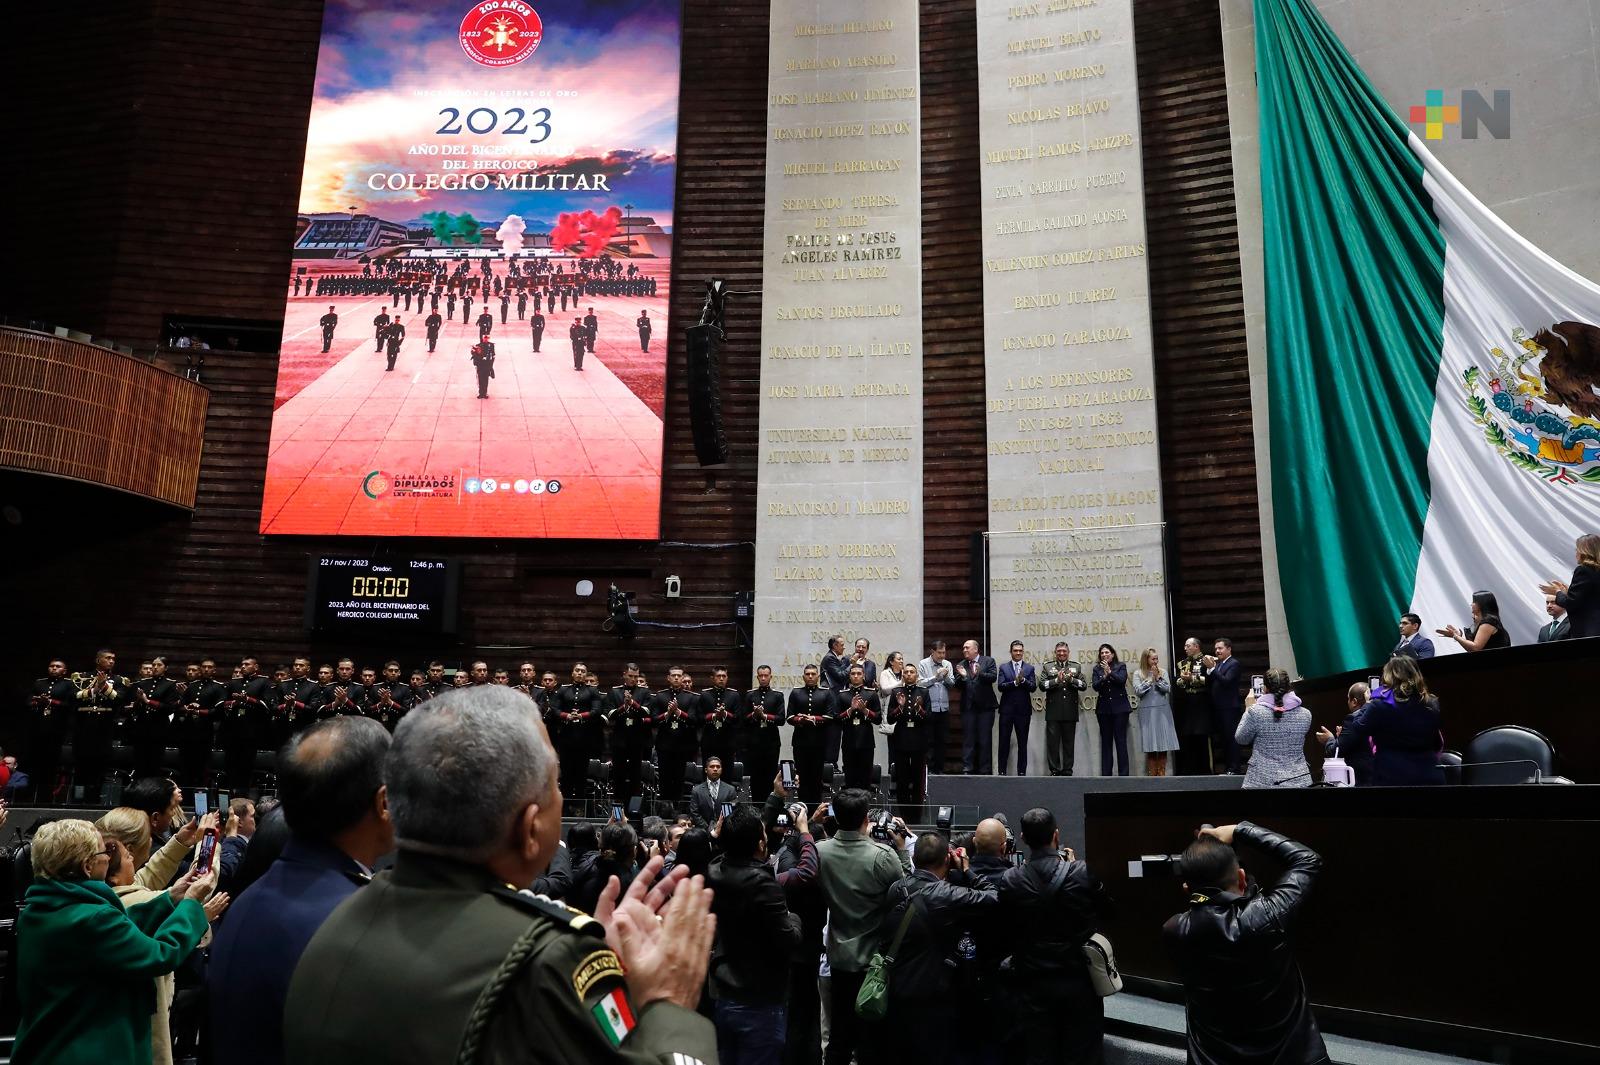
[{"x": 501, "y": 33}]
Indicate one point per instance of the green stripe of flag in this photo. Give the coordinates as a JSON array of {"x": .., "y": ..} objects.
[{"x": 1355, "y": 312}]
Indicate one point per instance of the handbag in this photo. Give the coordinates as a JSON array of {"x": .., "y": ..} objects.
[
  {"x": 1097, "y": 953},
  {"x": 1103, "y": 972},
  {"x": 872, "y": 1001}
]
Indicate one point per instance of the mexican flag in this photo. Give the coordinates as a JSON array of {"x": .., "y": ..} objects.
[{"x": 1434, "y": 379}]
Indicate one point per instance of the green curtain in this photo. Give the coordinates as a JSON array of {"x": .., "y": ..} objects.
[{"x": 1355, "y": 315}]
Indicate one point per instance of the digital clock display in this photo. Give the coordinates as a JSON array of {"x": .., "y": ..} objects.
[{"x": 381, "y": 595}]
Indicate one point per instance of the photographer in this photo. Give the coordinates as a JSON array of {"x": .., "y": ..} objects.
[
  {"x": 927, "y": 961},
  {"x": 1245, "y": 997},
  {"x": 1053, "y": 902},
  {"x": 856, "y": 873},
  {"x": 756, "y": 937}
]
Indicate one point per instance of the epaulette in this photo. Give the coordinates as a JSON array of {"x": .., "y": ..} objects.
[{"x": 565, "y": 916}]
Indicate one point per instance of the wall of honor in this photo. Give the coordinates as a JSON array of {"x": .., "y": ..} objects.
[
  {"x": 1075, "y": 546},
  {"x": 839, "y": 498}
]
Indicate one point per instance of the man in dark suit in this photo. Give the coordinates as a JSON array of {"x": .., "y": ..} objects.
[
  {"x": 1559, "y": 628},
  {"x": 976, "y": 673},
  {"x": 1227, "y": 706},
  {"x": 705, "y": 801},
  {"x": 1017, "y": 681},
  {"x": 835, "y": 668},
  {"x": 835, "y": 676},
  {"x": 1412, "y": 643},
  {"x": 330, "y": 781}
]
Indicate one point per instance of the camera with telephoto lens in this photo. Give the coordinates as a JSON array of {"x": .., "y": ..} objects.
[{"x": 883, "y": 827}]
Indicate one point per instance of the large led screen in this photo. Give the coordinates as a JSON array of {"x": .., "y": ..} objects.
[{"x": 475, "y": 322}]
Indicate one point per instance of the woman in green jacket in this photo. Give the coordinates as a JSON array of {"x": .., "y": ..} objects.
[{"x": 86, "y": 966}]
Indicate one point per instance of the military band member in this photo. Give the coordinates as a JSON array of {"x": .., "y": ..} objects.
[
  {"x": 721, "y": 708},
  {"x": 581, "y": 730},
  {"x": 433, "y": 323},
  {"x": 908, "y": 713},
  {"x": 391, "y": 697},
  {"x": 527, "y": 679},
  {"x": 644, "y": 330},
  {"x": 193, "y": 725},
  {"x": 628, "y": 710},
  {"x": 49, "y": 717},
  {"x": 97, "y": 696},
  {"x": 419, "y": 688},
  {"x": 244, "y": 718},
  {"x": 329, "y": 322},
  {"x": 502, "y": 677},
  {"x": 811, "y": 708},
  {"x": 536, "y": 323},
  {"x": 437, "y": 685},
  {"x": 858, "y": 714},
  {"x": 759, "y": 741},
  {"x": 296, "y": 709},
  {"x": 380, "y": 323},
  {"x": 676, "y": 711},
  {"x": 155, "y": 697},
  {"x": 347, "y": 695},
  {"x": 548, "y": 700}
]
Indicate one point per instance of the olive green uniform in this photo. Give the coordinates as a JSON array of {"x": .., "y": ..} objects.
[{"x": 399, "y": 970}]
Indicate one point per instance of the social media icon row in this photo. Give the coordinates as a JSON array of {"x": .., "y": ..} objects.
[{"x": 490, "y": 485}]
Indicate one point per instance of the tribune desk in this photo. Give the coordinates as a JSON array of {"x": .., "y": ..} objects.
[{"x": 1453, "y": 918}]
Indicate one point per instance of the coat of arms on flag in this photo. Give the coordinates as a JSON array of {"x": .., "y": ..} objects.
[{"x": 1540, "y": 405}]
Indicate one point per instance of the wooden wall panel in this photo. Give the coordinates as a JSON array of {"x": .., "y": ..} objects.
[
  {"x": 218, "y": 113},
  {"x": 1197, "y": 299},
  {"x": 70, "y": 409}
]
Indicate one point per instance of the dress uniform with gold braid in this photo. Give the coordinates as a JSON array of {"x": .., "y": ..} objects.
[
  {"x": 436, "y": 963},
  {"x": 94, "y": 724}
]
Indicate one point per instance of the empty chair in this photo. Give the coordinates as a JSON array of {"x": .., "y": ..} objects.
[
  {"x": 1449, "y": 763},
  {"x": 1508, "y": 754}
]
